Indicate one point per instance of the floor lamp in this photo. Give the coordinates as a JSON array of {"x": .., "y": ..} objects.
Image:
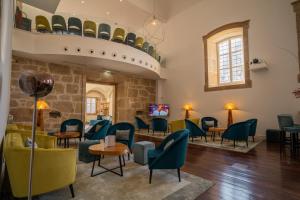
[
  {"x": 230, "y": 107},
  {"x": 34, "y": 85}
]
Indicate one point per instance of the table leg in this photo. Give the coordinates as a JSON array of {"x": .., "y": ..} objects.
[
  {"x": 92, "y": 172},
  {"x": 120, "y": 162},
  {"x": 65, "y": 143}
]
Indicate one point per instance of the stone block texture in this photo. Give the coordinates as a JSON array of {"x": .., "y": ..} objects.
[{"x": 68, "y": 95}]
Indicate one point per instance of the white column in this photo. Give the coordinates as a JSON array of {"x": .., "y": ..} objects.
[{"x": 7, "y": 12}]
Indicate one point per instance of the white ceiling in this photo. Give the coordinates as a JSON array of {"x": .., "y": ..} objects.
[{"x": 48, "y": 5}]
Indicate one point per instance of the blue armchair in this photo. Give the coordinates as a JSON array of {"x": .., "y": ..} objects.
[
  {"x": 253, "y": 125},
  {"x": 237, "y": 132},
  {"x": 160, "y": 124},
  {"x": 204, "y": 123},
  {"x": 72, "y": 122},
  {"x": 170, "y": 154},
  {"x": 141, "y": 124},
  {"x": 195, "y": 131},
  {"x": 123, "y": 126},
  {"x": 94, "y": 134}
]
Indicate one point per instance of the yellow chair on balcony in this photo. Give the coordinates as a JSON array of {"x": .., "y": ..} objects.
[
  {"x": 119, "y": 35},
  {"x": 139, "y": 42},
  {"x": 89, "y": 29},
  {"x": 54, "y": 168},
  {"x": 42, "y": 24}
]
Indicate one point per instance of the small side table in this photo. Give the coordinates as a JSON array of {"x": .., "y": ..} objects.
[
  {"x": 215, "y": 130},
  {"x": 66, "y": 136}
]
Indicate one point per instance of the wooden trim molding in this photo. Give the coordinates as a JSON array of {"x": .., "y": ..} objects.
[
  {"x": 248, "y": 82},
  {"x": 296, "y": 6}
]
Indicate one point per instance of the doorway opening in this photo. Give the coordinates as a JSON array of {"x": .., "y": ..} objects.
[{"x": 100, "y": 102}]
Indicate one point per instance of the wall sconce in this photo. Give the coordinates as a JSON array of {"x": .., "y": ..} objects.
[
  {"x": 230, "y": 107},
  {"x": 187, "y": 109}
]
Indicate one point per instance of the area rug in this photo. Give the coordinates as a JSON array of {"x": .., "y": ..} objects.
[
  {"x": 133, "y": 185},
  {"x": 227, "y": 145}
]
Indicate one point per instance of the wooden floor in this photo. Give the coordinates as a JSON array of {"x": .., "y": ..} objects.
[{"x": 260, "y": 174}]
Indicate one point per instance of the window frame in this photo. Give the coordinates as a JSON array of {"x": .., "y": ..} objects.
[
  {"x": 230, "y": 61},
  {"x": 247, "y": 81},
  {"x": 90, "y": 113}
]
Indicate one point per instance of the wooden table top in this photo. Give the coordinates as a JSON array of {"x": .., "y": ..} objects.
[
  {"x": 217, "y": 129},
  {"x": 63, "y": 135},
  {"x": 100, "y": 149}
]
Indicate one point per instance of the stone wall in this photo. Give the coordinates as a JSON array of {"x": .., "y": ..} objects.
[{"x": 68, "y": 96}]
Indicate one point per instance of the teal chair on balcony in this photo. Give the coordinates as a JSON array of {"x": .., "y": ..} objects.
[
  {"x": 170, "y": 154},
  {"x": 59, "y": 24},
  {"x": 151, "y": 51},
  {"x": 123, "y": 126},
  {"x": 195, "y": 130},
  {"x": 89, "y": 29},
  {"x": 141, "y": 124},
  {"x": 253, "y": 125},
  {"x": 237, "y": 132},
  {"x": 42, "y": 24},
  {"x": 130, "y": 39},
  {"x": 145, "y": 47},
  {"x": 74, "y": 26},
  {"x": 98, "y": 131},
  {"x": 104, "y": 31}
]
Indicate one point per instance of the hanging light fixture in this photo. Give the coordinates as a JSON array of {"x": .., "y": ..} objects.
[{"x": 153, "y": 28}]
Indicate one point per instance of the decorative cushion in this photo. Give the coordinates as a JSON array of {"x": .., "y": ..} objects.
[
  {"x": 58, "y": 25},
  {"x": 168, "y": 144},
  {"x": 122, "y": 134},
  {"x": 88, "y": 30},
  {"x": 74, "y": 27},
  {"x": 210, "y": 123},
  {"x": 71, "y": 128},
  {"x": 28, "y": 143},
  {"x": 98, "y": 127},
  {"x": 41, "y": 26},
  {"x": 104, "y": 33}
]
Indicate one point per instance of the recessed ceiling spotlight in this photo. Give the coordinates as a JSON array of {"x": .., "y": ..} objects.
[
  {"x": 82, "y": 2},
  {"x": 107, "y": 13},
  {"x": 121, "y": 0}
]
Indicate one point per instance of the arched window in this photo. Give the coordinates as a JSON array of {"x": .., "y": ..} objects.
[{"x": 227, "y": 57}]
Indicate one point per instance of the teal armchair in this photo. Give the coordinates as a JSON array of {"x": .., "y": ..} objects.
[
  {"x": 141, "y": 124},
  {"x": 123, "y": 126},
  {"x": 237, "y": 132},
  {"x": 94, "y": 134},
  {"x": 72, "y": 122},
  {"x": 159, "y": 124},
  {"x": 195, "y": 131},
  {"x": 253, "y": 125},
  {"x": 170, "y": 154}
]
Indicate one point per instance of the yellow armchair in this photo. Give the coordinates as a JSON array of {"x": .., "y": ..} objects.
[
  {"x": 178, "y": 125},
  {"x": 54, "y": 168}
]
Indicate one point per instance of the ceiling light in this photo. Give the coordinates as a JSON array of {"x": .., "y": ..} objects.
[
  {"x": 82, "y": 2},
  {"x": 107, "y": 13},
  {"x": 121, "y": 0}
]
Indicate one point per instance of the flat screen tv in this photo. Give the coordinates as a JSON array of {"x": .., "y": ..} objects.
[{"x": 158, "y": 110}]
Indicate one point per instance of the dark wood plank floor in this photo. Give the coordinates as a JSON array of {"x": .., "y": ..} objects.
[{"x": 260, "y": 174}]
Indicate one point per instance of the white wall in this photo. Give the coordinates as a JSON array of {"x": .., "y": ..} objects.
[{"x": 272, "y": 36}]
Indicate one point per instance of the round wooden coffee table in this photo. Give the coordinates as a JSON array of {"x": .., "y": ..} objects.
[
  {"x": 66, "y": 136},
  {"x": 215, "y": 130},
  {"x": 99, "y": 150}
]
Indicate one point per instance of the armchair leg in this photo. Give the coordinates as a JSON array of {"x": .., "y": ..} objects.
[
  {"x": 247, "y": 143},
  {"x": 72, "y": 190},
  {"x": 192, "y": 139},
  {"x": 205, "y": 139},
  {"x": 150, "y": 177},
  {"x": 178, "y": 172},
  {"x": 253, "y": 138},
  {"x": 222, "y": 140},
  {"x": 233, "y": 143}
]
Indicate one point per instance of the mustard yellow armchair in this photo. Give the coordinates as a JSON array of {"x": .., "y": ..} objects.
[
  {"x": 22, "y": 128},
  {"x": 54, "y": 168},
  {"x": 178, "y": 125}
]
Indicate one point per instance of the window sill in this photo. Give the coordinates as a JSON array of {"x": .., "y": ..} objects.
[{"x": 248, "y": 84}]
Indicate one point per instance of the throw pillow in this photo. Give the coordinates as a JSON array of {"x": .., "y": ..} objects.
[
  {"x": 98, "y": 127},
  {"x": 71, "y": 128},
  {"x": 210, "y": 123},
  {"x": 168, "y": 144},
  {"x": 122, "y": 134},
  {"x": 28, "y": 143}
]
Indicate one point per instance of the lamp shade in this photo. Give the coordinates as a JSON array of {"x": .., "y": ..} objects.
[
  {"x": 36, "y": 84},
  {"x": 42, "y": 105},
  {"x": 230, "y": 106},
  {"x": 187, "y": 107}
]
